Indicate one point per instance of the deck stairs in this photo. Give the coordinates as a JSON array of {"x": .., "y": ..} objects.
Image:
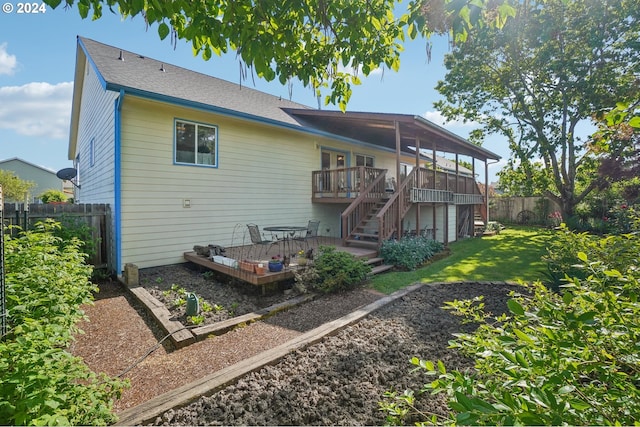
[
  {"x": 365, "y": 234},
  {"x": 378, "y": 266},
  {"x": 478, "y": 223}
]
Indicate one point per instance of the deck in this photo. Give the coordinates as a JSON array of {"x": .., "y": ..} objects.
[{"x": 251, "y": 253}]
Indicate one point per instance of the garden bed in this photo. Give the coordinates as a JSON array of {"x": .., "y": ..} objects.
[{"x": 220, "y": 298}]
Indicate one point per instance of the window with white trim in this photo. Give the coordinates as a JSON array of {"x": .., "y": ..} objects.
[{"x": 195, "y": 143}]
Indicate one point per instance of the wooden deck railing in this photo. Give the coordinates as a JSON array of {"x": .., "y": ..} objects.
[
  {"x": 366, "y": 188},
  {"x": 344, "y": 182}
]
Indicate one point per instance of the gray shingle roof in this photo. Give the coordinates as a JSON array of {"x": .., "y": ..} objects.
[{"x": 144, "y": 74}]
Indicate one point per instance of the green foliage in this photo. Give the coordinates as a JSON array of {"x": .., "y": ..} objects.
[
  {"x": 13, "y": 188},
  {"x": 524, "y": 179},
  {"x": 566, "y": 358},
  {"x": 53, "y": 196},
  {"x": 338, "y": 271},
  {"x": 546, "y": 73},
  {"x": 409, "y": 252},
  {"x": 618, "y": 251},
  {"x": 513, "y": 255},
  {"x": 316, "y": 42},
  {"x": 71, "y": 228},
  {"x": 41, "y": 382}
]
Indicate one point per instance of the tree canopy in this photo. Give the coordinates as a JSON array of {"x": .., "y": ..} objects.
[
  {"x": 326, "y": 44},
  {"x": 14, "y": 188},
  {"x": 541, "y": 76},
  {"x": 315, "y": 41}
]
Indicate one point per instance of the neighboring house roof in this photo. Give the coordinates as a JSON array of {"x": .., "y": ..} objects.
[
  {"x": 43, "y": 178},
  {"x": 19, "y": 160},
  {"x": 121, "y": 70}
]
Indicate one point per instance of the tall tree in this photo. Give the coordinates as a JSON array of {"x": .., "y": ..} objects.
[{"x": 543, "y": 74}]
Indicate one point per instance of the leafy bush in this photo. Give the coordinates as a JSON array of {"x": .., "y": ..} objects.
[
  {"x": 42, "y": 383},
  {"x": 557, "y": 358},
  {"x": 75, "y": 227},
  {"x": 338, "y": 271},
  {"x": 623, "y": 218},
  {"x": 619, "y": 251},
  {"x": 50, "y": 196},
  {"x": 409, "y": 252}
]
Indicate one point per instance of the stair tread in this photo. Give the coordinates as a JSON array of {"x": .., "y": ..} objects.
[
  {"x": 368, "y": 243},
  {"x": 374, "y": 260},
  {"x": 374, "y": 236},
  {"x": 381, "y": 268}
]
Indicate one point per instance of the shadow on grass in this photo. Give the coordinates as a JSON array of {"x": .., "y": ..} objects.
[{"x": 513, "y": 255}]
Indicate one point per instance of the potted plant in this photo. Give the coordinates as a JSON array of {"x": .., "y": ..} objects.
[
  {"x": 302, "y": 259},
  {"x": 275, "y": 264}
]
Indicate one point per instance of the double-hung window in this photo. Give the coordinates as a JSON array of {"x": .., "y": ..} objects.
[{"x": 196, "y": 143}]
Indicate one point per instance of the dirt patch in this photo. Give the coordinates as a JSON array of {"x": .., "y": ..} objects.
[
  {"x": 220, "y": 298},
  {"x": 340, "y": 380}
]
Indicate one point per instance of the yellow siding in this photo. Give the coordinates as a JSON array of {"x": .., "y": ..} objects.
[{"x": 263, "y": 177}]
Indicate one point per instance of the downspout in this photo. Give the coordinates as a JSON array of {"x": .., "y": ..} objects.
[
  {"x": 117, "y": 171},
  {"x": 398, "y": 181},
  {"x": 418, "y": 185}
]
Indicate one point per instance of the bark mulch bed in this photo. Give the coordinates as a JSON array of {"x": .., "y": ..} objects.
[{"x": 338, "y": 381}]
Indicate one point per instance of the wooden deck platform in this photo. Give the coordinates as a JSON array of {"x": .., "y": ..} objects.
[{"x": 240, "y": 253}]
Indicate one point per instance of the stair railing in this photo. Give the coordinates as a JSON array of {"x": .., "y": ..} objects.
[
  {"x": 362, "y": 205},
  {"x": 396, "y": 208}
]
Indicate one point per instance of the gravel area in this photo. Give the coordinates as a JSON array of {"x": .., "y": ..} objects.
[{"x": 340, "y": 380}]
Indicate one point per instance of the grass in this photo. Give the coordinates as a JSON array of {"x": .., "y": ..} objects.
[{"x": 513, "y": 255}]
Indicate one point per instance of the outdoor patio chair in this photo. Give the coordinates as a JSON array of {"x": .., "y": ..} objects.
[
  {"x": 258, "y": 240},
  {"x": 311, "y": 233}
]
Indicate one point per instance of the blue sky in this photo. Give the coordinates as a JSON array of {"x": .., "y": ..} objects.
[{"x": 37, "y": 58}]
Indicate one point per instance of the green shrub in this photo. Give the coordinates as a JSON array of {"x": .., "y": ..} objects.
[
  {"x": 338, "y": 271},
  {"x": 41, "y": 382},
  {"x": 75, "y": 227},
  {"x": 409, "y": 252},
  {"x": 50, "y": 196},
  {"x": 618, "y": 250},
  {"x": 566, "y": 358}
]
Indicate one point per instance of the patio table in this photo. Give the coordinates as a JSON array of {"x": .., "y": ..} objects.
[{"x": 288, "y": 233}]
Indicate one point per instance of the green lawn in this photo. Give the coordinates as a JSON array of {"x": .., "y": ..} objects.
[{"x": 513, "y": 255}]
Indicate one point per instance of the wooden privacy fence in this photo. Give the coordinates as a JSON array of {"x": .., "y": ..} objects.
[
  {"x": 525, "y": 210},
  {"x": 95, "y": 216}
]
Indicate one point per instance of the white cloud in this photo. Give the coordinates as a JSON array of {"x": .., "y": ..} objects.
[
  {"x": 37, "y": 109},
  {"x": 8, "y": 63}
]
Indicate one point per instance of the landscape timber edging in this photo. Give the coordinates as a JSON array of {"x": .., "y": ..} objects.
[
  {"x": 182, "y": 396},
  {"x": 182, "y": 336}
]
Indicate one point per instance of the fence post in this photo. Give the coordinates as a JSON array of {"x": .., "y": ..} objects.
[{"x": 25, "y": 215}]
